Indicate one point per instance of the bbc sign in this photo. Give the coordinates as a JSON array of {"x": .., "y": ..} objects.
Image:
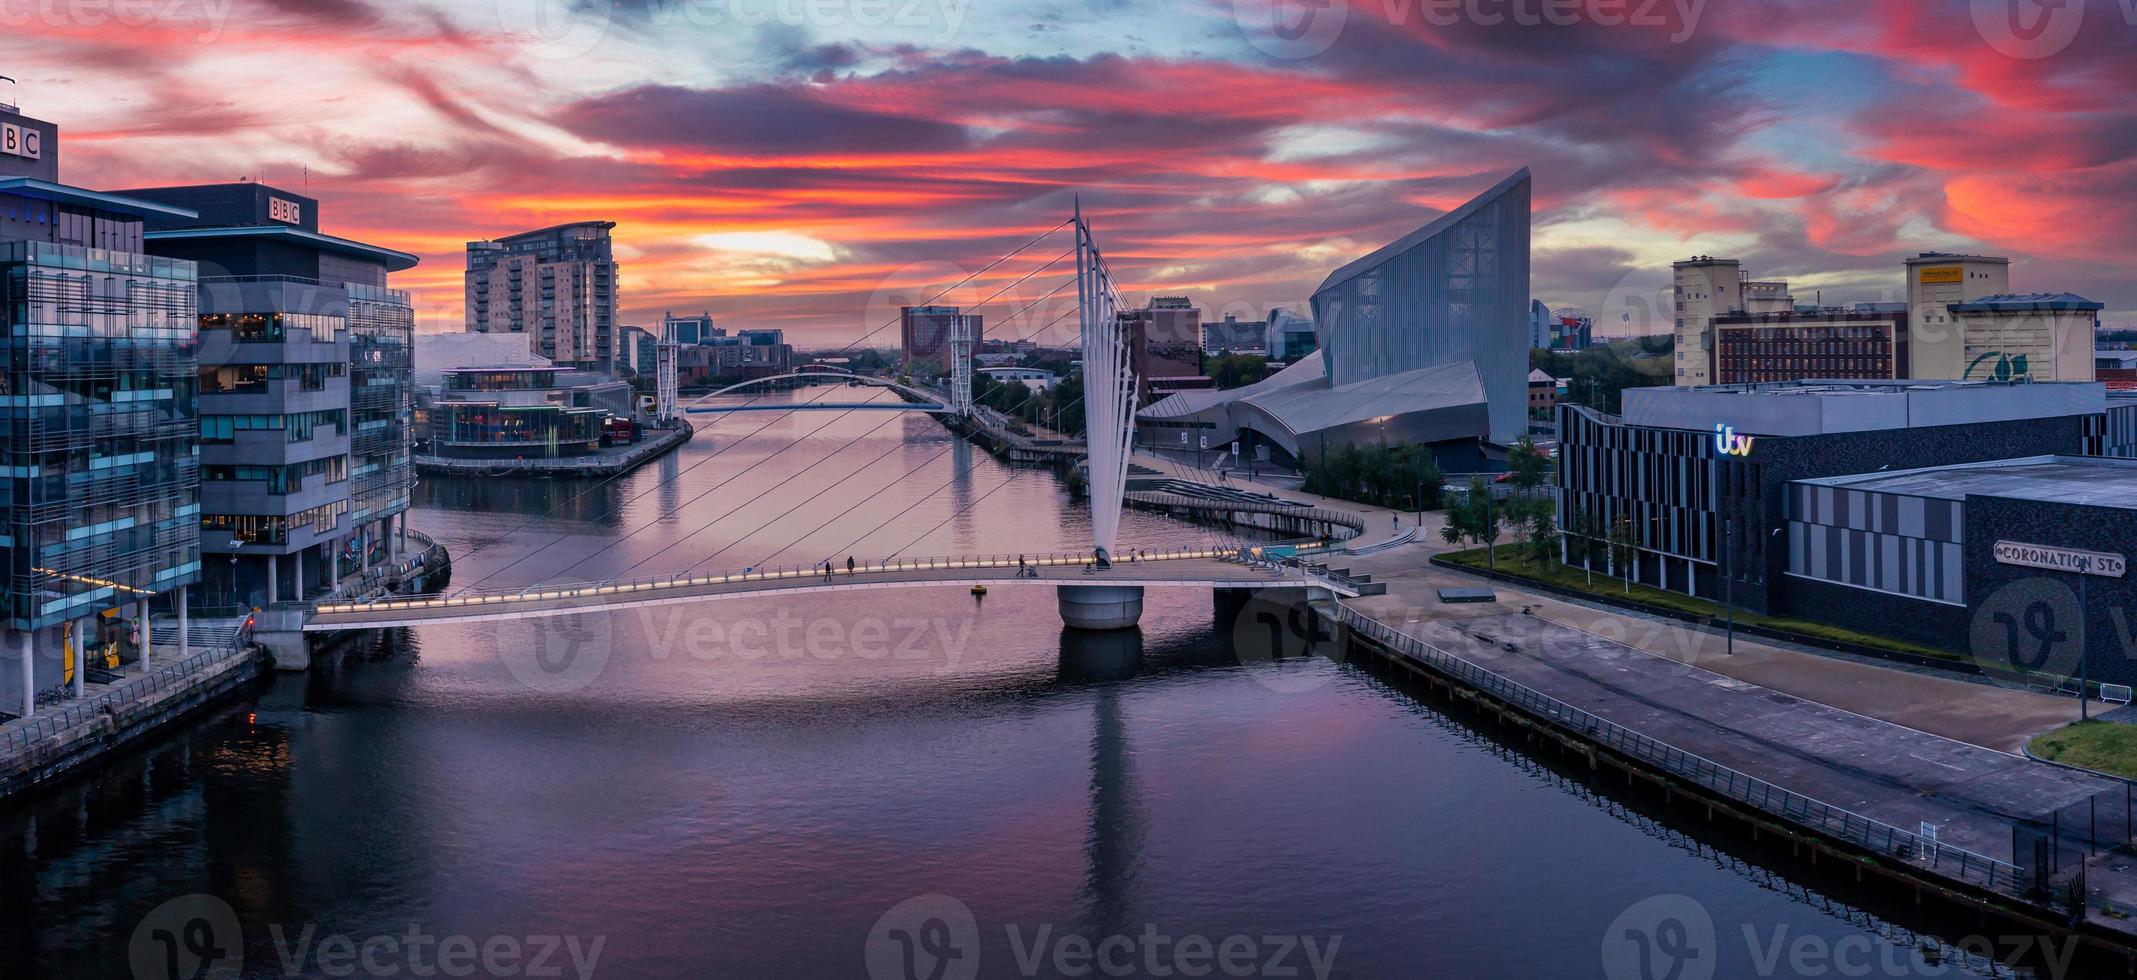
[
  {"x": 286, "y": 211},
  {"x": 22, "y": 141}
]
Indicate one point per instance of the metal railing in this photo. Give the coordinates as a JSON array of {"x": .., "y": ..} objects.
[
  {"x": 1127, "y": 561},
  {"x": 1332, "y": 518},
  {"x": 25, "y": 735},
  {"x": 384, "y": 577},
  {"x": 1803, "y": 811}
]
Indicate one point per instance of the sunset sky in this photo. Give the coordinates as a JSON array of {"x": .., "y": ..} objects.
[{"x": 809, "y": 164}]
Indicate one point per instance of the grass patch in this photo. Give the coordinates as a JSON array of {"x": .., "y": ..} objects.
[
  {"x": 1516, "y": 562},
  {"x": 2103, "y": 745}
]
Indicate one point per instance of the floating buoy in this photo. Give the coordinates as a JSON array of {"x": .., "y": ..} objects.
[{"x": 979, "y": 592}]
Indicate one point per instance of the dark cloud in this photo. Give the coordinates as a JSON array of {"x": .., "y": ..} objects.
[{"x": 753, "y": 120}]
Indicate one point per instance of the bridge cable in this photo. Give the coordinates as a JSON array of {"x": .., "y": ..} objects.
[
  {"x": 767, "y": 491},
  {"x": 553, "y": 511},
  {"x": 774, "y": 421},
  {"x": 871, "y": 498}
]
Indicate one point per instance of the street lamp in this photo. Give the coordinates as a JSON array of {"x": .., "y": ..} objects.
[{"x": 2084, "y": 679}]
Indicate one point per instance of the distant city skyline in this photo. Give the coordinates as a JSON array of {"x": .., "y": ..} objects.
[{"x": 810, "y": 173}]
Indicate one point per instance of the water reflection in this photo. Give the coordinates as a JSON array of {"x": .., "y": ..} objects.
[
  {"x": 1113, "y": 843},
  {"x": 594, "y": 502}
]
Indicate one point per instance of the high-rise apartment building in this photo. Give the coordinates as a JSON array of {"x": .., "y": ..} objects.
[
  {"x": 306, "y": 392},
  {"x": 1165, "y": 343},
  {"x": 924, "y": 334},
  {"x": 638, "y": 349},
  {"x": 556, "y": 285},
  {"x": 99, "y": 487}
]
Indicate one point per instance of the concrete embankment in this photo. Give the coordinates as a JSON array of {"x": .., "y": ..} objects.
[
  {"x": 607, "y": 463},
  {"x": 40, "y": 749},
  {"x": 1923, "y": 813}
]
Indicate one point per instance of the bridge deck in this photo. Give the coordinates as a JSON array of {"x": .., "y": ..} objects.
[{"x": 1204, "y": 569}]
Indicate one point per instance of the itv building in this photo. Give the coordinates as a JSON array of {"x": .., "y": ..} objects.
[
  {"x": 1952, "y": 514},
  {"x": 1423, "y": 341}
]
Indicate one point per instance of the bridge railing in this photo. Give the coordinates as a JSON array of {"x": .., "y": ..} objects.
[
  {"x": 1870, "y": 834},
  {"x": 610, "y": 587}
]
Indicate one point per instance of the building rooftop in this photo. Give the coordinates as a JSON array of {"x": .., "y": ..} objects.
[
  {"x": 2027, "y": 301},
  {"x": 2085, "y": 480},
  {"x": 1818, "y": 407},
  {"x": 1381, "y": 255},
  {"x": 45, "y": 190},
  {"x": 394, "y": 260},
  {"x": 1948, "y": 256}
]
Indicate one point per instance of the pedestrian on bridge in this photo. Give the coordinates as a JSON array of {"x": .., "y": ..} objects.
[{"x": 849, "y": 564}]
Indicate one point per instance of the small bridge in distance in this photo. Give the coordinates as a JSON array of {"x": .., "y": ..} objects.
[{"x": 929, "y": 402}]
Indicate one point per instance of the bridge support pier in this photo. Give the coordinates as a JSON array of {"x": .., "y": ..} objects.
[
  {"x": 281, "y": 633},
  {"x": 1101, "y": 607}
]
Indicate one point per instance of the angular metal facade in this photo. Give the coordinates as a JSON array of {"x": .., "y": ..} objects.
[{"x": 1455, "y": 290}]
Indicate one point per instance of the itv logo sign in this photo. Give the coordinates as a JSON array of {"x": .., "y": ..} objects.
[{"x": 1728, "y": 443}]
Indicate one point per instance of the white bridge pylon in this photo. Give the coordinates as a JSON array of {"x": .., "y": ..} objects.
[{"x": 1108, "y": 389}]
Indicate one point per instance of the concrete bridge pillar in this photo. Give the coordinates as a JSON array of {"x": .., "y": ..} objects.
[
  {"x": 26, "y": 645},
  {"x": 281, "y": 633},
  {"x": 81, "y": 630},
  {"x": 1101, "y": 607}
]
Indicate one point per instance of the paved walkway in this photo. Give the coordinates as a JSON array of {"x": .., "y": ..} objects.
[
  {"x": 1982, "y": 714},
  {"x": 1153, "y": 569}
]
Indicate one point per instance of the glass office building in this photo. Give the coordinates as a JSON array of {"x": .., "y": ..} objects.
[
  {"x": 99, "y": 507},
  {"x": 307, "y": 393}
]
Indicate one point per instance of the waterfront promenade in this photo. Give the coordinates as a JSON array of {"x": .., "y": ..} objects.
[{"x": 1901, "y": 746}]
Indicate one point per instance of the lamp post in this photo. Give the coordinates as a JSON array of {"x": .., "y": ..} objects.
[
  {"x": 1729, "y": 584},
  {"x": 2084, "y": 675}
]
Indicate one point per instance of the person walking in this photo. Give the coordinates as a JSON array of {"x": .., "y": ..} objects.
[{"x": 849, "y": 564}]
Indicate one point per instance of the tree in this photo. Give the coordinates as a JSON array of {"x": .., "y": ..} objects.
[
  {"x": 1400, "y": 477},
  {"x": 1598, "y": 376},
  {"x": 1622, "y": 539},
  {"x": 1475, "y": 518},
  {"x": 1065, "y": 405},
  {"x": 1542, "y": 527},
  {"x": 1527, "y": 466},
  {"x": 1237, "y": 370}
]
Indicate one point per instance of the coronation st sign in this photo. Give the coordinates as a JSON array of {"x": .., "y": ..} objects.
[{"x": 2061, "y": 559}]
